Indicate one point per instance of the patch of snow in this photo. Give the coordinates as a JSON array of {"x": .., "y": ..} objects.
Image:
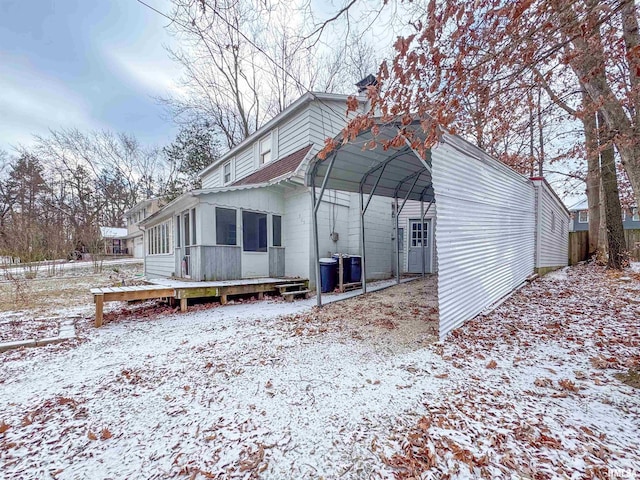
[
  {"x": 557, "y": 275},
  {"x": 235, "y": 392}
]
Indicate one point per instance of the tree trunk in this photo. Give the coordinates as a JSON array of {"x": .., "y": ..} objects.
[
  {"x": 616, "y": 245},
  {"x": 593, "y": 178},
  {"x": 602, "y": 250}
]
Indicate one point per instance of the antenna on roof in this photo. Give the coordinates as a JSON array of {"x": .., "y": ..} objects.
[{"x": 365, "y": 82}]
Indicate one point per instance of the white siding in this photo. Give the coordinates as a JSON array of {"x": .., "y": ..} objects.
[
  {"x": 326, "y": 119},
  {"x": 159, "y": 266},
  {"x": 378, "y": 234},
  {"x": 552, "y": 241},
  {"x": 296, "y": 234},
  {"x": 485, "y": 230},
  {"x": 354, "y": 225},
  {"x": 245, "y": 163},
  {"x": 333, "y": 216},
  {"x": 411, "y": 211},
  {"x": 213, "y": 179},
  {"x": 294, "y": 135}
]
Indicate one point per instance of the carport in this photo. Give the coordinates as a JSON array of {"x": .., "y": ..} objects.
[
  {"x": 485, "y": 212},
  {"x": 397, "y": 173}
]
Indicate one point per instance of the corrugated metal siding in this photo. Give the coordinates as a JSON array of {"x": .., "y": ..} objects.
[
  {"x": 485, "y": 231},
  {"x": 554, "y": 233}
]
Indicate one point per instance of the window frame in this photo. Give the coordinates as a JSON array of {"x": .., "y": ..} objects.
[
  {"x": 262, "y": 237},
  {"x": 273, "y": 230},
  {"x": 264, "y": 149},
  {"x": 635, "y": 215},
  {"x": 160, "y": 238},
  {"x": 235, "y": 227},
  {"x": 586, "y": 214},
  {"x": 224, "y": 173}
]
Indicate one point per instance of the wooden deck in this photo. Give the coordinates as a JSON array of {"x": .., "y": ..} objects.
[{"x": 184, "y": 290}]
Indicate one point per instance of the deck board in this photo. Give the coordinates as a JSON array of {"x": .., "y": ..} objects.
[{"x": 167, "y": 288}]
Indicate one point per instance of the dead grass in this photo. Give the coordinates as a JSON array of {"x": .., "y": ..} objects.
[
  {"x": 631, "y": 378},
  {"x": 402, "y": 316},
  {"x": 32, "y": 308}
]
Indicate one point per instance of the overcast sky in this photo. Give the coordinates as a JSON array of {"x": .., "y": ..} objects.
[{"x": 86, "y": 64}]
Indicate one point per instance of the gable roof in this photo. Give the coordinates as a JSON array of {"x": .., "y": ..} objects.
[
  {"x": 275, "y": 169},
  {"x": 280, "y": 118}
]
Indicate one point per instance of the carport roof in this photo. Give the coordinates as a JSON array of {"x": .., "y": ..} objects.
[{"x": 398, "y": 172}]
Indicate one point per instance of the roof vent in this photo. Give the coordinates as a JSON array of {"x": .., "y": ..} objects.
[{"x": 365, "y": 82}]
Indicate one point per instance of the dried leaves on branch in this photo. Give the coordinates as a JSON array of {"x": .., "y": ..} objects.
[{"x": 480, "y": 67}]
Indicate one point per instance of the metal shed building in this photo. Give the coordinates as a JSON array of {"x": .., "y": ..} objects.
[{"x": 488, "y": 225}]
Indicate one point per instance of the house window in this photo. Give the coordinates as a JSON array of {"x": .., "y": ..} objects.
[
  {"x": 265, "y": 150},
  {"x": 225, "y": 226},
  {"x": 636, "y": 215},
  {"x": 583, "y": 216},
  {"x": 226, "y": 172},
  {"x": 277, "y": 231},
  {"x": 160, "y": 238},
  {"x": 401, "y": 239},
  {"x": 254, "y": 232}
]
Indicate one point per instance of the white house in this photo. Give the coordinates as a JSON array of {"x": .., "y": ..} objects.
[
  {"x": 270, "y": 207},
  {"x": 252, "y": 217}
]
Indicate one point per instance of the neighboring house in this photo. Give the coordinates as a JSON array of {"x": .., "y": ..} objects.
[
  {"x": 133, "y": 217},
  {"x": 252, "y": 217},
  {"x": 114, "y": 240},
  {"x": 580, "y": 217}
]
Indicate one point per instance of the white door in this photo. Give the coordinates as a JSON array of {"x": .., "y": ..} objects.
[
  {"x": 138, "y": 250},
  {"x": 417, "y": 233}
]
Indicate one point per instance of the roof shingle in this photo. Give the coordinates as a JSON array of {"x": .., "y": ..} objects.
[{"x": 276, "y": 169}]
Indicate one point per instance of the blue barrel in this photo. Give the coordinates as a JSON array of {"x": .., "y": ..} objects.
[
  {"x": 346, "y": 269},
  {"x": 355, "y": 268},
  {"x": 328, "y": 271}
]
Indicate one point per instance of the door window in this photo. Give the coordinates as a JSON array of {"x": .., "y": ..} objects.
[{"x": 416, "y": 234}]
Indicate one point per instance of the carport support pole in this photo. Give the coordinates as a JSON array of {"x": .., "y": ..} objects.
[
  {"x": 316, "y": 206},
  {"x": 363, "y": 262},
  {"x": 396, "y": 214},
  {"x": 422, "y": 230},
  {"x": 316, "y": 243}
]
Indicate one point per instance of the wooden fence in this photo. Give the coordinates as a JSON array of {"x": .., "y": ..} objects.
[
  {"x": 579, "y": 245},
  {"x": 633, "y": 244}
]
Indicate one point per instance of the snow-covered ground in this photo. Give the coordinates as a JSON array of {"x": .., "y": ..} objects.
[
  {"x": 42, "y": 268},
  {"x": 242, "y": 392}
]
